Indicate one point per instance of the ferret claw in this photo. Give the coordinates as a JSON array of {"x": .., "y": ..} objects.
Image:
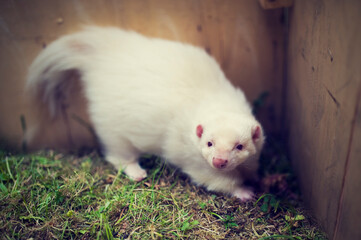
[
  {"x": 243, "y": 194},
  {"x": 135, "y": 172}
]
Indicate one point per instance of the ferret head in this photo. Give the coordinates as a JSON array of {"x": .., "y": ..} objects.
[{"x": 227, "y": 141}]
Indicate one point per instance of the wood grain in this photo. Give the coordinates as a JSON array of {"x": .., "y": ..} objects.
[
  {"x": 349, "y": 212},
  {"x": 245, "y": 40},
  {"x": 323, "y": 82}
]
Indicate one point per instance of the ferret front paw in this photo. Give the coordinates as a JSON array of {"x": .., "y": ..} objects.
[
  {"x": 244, "y": 194},
  {"x": 135, "y": 172}
]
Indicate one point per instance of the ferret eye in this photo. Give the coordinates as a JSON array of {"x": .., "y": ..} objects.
[
  {"x": 210, "y": 144},
  {"x": 239, "y": 147}
]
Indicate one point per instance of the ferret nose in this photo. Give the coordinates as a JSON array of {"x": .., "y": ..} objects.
[{"x": 220, "y": 163}]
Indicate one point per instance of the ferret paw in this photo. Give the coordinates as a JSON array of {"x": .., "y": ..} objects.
[
  {"x": 135, "y": 172},
  {"x": 243, "y": 194}
]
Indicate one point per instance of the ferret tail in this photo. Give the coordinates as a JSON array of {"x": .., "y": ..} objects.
[{"x": 54, "y": 69}]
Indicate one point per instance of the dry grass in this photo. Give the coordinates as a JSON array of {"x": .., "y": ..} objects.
[{"x": 54, "y": 196}]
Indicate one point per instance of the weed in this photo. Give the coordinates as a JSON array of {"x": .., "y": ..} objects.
[{"x": 269, "y": 203}]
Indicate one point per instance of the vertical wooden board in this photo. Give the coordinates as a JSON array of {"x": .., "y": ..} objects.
[
  {"x": 244, "y": 39},
  {"x": 323, "y": 73},
  {"x": 349, "y": 218}
]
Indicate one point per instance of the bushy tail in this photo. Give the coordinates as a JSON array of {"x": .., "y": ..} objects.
[{"x": 52, "y": 72}]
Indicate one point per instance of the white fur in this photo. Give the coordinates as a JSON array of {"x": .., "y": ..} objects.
[{"x": 149, "y": 95}]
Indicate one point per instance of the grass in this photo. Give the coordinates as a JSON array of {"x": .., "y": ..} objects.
[{"x": 49, "y": 195}]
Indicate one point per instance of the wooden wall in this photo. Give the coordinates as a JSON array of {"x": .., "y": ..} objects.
[
  {"x": 324, "y": 110},
  {"x": 323, "y": 104},
  {"x": 245, "y": 39}
]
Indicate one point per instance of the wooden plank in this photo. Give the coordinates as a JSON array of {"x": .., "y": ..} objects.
[
  {"x": 324, "y": 77},
  {"x": 271, "y": 4},
  {"x": 245, "y": 40},
  {"x": 349, "y": 213}
]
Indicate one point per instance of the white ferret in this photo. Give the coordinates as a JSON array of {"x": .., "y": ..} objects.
[{"x": 148, "y": 95}]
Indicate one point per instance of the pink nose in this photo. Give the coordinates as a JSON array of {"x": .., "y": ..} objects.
[{"x": 220, "y": 163}]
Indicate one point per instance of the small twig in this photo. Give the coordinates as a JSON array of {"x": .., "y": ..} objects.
[
  {"x": 151, "y": 190},
  {"x": 133, "y": 232},
  {"x": 121, "y": 217},
  {"x": 175, "y": 202},
  {"x": 209, "y": 230},
  {"x": 27, "y": 180},
  {"x": 254, "y": 230}
]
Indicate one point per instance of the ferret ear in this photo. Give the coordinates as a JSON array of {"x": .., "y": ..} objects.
[
  {"x": 256, "y": 133},
  {"x": 199, "y": 131}
]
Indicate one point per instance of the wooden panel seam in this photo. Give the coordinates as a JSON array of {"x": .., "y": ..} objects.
[{"x": 340, "y": 201}]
